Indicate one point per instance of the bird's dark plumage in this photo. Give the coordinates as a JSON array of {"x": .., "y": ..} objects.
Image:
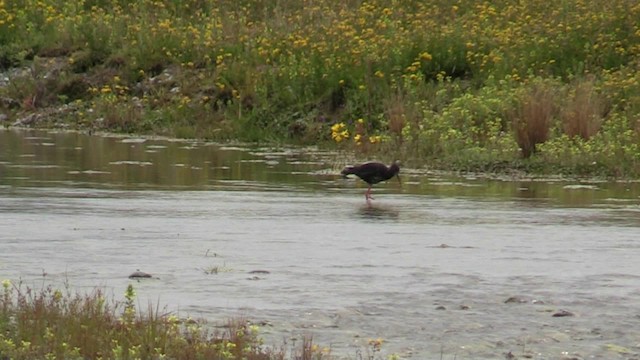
[{"x": 373, "y": 173}]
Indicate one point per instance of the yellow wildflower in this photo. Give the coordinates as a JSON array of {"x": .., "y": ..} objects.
[
  {"x": 337, "y": 127},
  {"x": 425, "y": 56},
  {"x": 339, "y": 132}
]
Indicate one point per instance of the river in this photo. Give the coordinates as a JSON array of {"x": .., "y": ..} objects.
[{"x": 439, "y": 267}]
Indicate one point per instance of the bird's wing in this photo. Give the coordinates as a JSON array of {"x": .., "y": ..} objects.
[{"x": 371, "y": 171}]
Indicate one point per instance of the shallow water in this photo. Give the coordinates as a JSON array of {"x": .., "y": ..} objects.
[{"x": 428, "y": 267}]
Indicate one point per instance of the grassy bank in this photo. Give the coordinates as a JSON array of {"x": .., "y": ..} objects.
[
  {"x": 538, "y": 86},
  {"x": 58, "y": 324}
]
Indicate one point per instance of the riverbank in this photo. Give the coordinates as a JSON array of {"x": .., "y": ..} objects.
[
  {"x": 56, "y": 323},
  {"x": 534, "y": 88}
]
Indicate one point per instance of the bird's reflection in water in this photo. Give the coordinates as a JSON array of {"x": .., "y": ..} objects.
[{"x": 378, "y": 212}]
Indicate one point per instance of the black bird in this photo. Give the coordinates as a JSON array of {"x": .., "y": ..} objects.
[{"x": 373, "y": 173}]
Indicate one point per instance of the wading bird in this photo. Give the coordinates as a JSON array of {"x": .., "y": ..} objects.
[{"x": 373, "y": 173}]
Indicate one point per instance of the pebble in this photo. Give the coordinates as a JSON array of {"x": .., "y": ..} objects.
[
  {"x": 264, "y": 272},
  {"x": 563, "y": 313},
  {"x": 140, "y": 275},
  {"x": 515, "y": 299}
]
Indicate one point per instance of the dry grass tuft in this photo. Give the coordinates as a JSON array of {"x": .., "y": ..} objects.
[
  {"x": 583, "y": 114},
  {"x": 532, "y": 118},
  {"x": 396, "y": 114}
]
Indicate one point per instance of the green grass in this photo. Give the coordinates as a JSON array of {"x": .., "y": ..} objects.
[{"x": 538, "y": 85}]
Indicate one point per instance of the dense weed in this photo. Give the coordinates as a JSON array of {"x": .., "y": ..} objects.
[
  {"x": 58, "y": 324},
  {"x": 450, "y": 84}
]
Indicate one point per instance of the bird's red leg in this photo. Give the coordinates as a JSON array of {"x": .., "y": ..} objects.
[{"x": 367, "y": 195}]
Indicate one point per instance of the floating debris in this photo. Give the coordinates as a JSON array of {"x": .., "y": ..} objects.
[
  {"x": 88, "y": 172},
  {"x": 580, "y": 187},
  {"x": 131, "y": 162},
  {"x": 133, "y": 141}
]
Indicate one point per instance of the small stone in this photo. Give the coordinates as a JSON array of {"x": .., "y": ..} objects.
[
  {"x": 140, "y": 275},
  {"x": 27, "y": 120},
  {"x": 515, "y": 299},
  {"x": 563, "y": 313},
  {"x": 441, "y": 307}
]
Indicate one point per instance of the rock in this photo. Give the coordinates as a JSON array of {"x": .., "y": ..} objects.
[
  {"x": 140, "y": 275},
  {"x": 264, "y": 272},
  {"x": 515, "y": 299},
  {"x": 27, "y": 120},
  {"x": 563, "y": 313},
  {"x": 262, "y": 323},
  {"x": 441, "y": 307}
]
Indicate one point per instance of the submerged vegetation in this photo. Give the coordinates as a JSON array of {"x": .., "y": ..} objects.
[
  {"x": 55, "y": 324},
  {"x": 534, "y": 85}
]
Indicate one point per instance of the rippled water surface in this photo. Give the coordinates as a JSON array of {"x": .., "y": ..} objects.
[{"x": 429, "y": 267}]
